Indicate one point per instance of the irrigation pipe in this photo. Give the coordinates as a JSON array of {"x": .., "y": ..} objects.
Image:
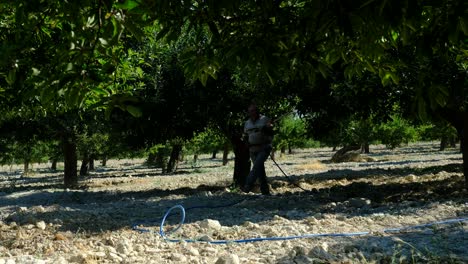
[{"x": 258, "y": 239}]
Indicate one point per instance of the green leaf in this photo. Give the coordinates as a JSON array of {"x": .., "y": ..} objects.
[
  {"x": 136, "y": 31},
  {"x": 36, "y": 72},
  {"x": 323, "y": 70},
  {"x": 115, "y": 26},
  {"x": 11, "y": 77},
  {"x": 103, "y": 41},
  {"x": 128, "y": 5},
  {"x": 332, "y": 57},
  {"x": 100, "y": 91},
  {"x": 134, "y": 111}
]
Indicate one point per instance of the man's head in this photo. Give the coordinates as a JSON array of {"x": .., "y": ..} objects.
[{"x": 253, "y": 112}]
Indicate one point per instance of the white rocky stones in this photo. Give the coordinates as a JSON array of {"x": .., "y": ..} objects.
[
  {"x": 178, "y": 257},
  {"x": 210, "y": 224},
  {"x": 193, "y": 251},
  {"x": 124, "y": 247},
  {"x": 22, "y": 209},
  {"x": 39, "y": 209},
  {"x": 115, "y": 257},
  {"x": 228, "y": 259},
  {"x": 41, "y": 225}
]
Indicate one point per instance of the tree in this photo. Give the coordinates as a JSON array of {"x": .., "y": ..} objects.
[
  {"x": 284, "y": 42},
  {"x": 290, "y": 133}
]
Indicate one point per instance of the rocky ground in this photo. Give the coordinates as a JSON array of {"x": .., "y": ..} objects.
[{"x": 40, "y": 222}]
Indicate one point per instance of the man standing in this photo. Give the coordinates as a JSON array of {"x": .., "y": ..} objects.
[{"x": 259, "y": 131}]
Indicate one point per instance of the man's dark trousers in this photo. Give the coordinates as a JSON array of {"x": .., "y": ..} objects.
[{"x": 258, "y": 170}]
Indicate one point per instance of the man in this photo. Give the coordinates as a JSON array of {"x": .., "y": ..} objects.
[{"x": 259, "y": 132}]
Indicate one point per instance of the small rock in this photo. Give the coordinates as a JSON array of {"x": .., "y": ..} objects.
[
  {"x": 210, "y": 251},
  {"x": 115, "y": 257},
  {"x": 210, "y": 224},
  {"x": 300, "y": 250},
  {"x": 271, "y": 232},
  {"x": 140, "y": 248},
  {"x": 111, "y": 249},
  {"x": 178, "y": 257},
  {"x": 99, "y": 254},
  {"x": 22, "y": 210},
  {"x": 321, "y": 252},
  {"x": 279, "y": 218},
  {"x": 60, "y": 236},
  {"x": 41, "y": 225},
  {"x": 341, "y": 217},
  {"x": 229, "y": 259},
  {"x": 411, "y": 177},
  {"x": 193, "y": 251},
  {"x": 251, "y": 225},
  {"x": 359, "y": 202},
  {"x": 39, "y": 209},
  {"x": 124, "y": 247}
]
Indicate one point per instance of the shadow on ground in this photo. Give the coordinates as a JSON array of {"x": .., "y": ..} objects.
[{"x": 111, "y": 210}]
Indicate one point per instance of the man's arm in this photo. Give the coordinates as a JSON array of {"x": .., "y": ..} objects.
[{"x": 267, "y": 130}]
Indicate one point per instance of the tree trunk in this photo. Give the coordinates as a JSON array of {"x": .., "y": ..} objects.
[
  {"x": 225, "y": 153},
  {"x": 84, "y": 166},
  {"x": 104, "y": 161},
  {"x": 453, "y": 142},
  {"x": 91, "y": 164},
  {"x": 195, "y": 158},
  {"x": 53, "y": 167},
  {"x": 213, "y": 154},
  {"x": 443, "y": 143},
  {"x": 26, "y": 167},
  {"x": 365, "y": 148},
  {"x": 70, "y": 160},
  {"x": 241, "y": 161},
  {"x": 283, "y": 150},
  {"x": 174, "y": 159},
  {"x": 289, "y": 149}
]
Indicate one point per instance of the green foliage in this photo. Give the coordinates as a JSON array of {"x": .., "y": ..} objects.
[
  {"x": 206, "y": 141},
  {"x": 93, "y": 145},
  {"x": 437, "y": 131},
  {"x": 290, "y": 132},
  {"x": 360, "y": 132},
  {"x": 34, "y": 151},
  {"x": 158, "y": 156},
  {"x": 396, "y": 132}
]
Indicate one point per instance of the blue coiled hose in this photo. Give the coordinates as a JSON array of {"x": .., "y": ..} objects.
[{"x": 248, "y": 240}]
